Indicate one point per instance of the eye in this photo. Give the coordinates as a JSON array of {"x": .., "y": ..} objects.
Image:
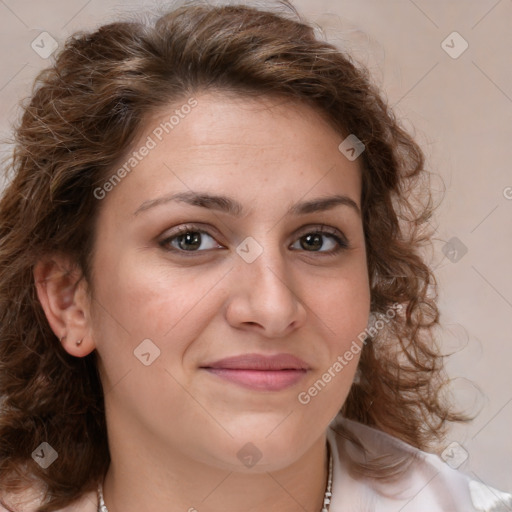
[
  {"x": 189, "y": 239},
  {"x": 313, "y": 240}
]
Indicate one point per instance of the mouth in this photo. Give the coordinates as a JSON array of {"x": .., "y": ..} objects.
[
  {"x": 260, "y": 372},
  {"x": 262, "y": 380}
]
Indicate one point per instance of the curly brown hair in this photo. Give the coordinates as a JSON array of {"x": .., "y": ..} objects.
[{"x": 84, "y": 113}]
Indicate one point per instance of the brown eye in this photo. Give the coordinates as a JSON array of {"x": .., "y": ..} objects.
[
  {"x": 314, "y": 241},
  {"x": 189, "y": 239}
]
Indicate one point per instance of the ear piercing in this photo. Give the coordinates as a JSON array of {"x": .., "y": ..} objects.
[{"x": 77, "y": 343}]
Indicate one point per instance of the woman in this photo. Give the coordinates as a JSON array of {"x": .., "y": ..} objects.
[{"x": 211, "y": 292}]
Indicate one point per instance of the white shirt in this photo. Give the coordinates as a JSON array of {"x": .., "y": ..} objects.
[{"x": 429, "y": 484}]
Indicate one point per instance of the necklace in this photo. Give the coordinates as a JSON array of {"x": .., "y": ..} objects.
[{"x": 327, "y": 495}]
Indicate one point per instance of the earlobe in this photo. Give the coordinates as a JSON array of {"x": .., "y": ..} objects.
[
  {"x": 60, "y": 289},
  {"x": 77, "y": 343}
]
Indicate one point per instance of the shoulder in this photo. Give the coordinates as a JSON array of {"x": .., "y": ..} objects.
[
  {"x": 422, "y": 482},
  {"x": 30, "y": 500}
]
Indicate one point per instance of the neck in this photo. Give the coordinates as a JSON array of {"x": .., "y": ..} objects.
[{"x": 174, "y": 483}]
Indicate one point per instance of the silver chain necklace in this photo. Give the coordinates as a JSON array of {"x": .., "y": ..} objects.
[{"x": 327, "y": 495}]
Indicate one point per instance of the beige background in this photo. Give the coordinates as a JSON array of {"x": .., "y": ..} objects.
[{"x": 461, "y": 111}]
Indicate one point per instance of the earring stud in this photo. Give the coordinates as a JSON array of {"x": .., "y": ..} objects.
[{"x": 77, "y": 343}]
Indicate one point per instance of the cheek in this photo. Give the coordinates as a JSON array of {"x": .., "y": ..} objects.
[
  {"x": 342, "y": 305},
  {"x": 343, "y": 311},
  {"x": 138, "y": 301}
]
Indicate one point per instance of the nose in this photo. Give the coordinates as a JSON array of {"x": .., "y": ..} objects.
[{"x": 264, "y": 296}]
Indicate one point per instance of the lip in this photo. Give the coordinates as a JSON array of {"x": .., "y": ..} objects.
[
  {"x": 260, "y": 372},
  {"x": 259, "y": 362}
]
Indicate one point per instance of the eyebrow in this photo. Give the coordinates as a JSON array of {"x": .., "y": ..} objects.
[{"x": 232, "y": 207}]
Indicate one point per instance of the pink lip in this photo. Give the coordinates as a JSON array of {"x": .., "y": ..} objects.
[
  {"x": 262, "y": 380},
  {"x": 260, "y": 372},
  {"x": 260, "y": 362}
]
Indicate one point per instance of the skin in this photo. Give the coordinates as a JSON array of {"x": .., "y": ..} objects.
[{"x": 174, "y": 429}]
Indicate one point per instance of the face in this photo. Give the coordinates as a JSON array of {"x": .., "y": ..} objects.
[{"x": 179, "y": 286}]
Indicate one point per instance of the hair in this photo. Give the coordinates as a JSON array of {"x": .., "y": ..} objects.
[{"x": 84, "y": 113}]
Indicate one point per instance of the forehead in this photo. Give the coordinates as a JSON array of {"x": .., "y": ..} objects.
[{"x": 238, "y": 145}]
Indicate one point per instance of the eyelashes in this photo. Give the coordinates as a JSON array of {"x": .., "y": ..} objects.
[{"x": 312, "y": 237}]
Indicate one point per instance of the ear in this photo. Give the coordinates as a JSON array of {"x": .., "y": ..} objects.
[{"x": 62, "y": 292}]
